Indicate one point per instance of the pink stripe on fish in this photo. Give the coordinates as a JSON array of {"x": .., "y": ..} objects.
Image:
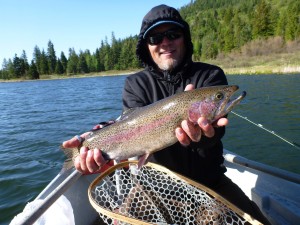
[{"x": 140, "y": 130}]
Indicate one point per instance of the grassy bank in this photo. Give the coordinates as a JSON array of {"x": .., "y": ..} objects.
[
  {"x": 105, "y": 73},
  {"x": 63, "y": 76},
  {"x": 272, "y": 64},
  {"x": 263, "y": 57}
]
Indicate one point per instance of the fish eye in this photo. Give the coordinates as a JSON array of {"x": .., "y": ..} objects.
[{"x": 219, "y": 96}]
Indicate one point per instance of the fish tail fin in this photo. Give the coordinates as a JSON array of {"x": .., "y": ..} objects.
[{"x": 71, "y": 154}]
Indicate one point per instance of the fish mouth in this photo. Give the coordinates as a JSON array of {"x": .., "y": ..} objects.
[
  {"x": 232, "y": 102},
  {"x": 227, "y": 106}
]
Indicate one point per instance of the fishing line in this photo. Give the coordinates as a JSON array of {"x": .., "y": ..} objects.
[{"x": 270, "y": 131}]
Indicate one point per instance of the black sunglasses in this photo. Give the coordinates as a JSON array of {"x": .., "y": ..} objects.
[{"x": 157, "y": 38}]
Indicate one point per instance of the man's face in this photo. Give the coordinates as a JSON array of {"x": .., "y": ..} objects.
[{"x": 170, "y": 51}]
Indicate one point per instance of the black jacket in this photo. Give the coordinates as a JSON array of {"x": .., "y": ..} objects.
[{"x": 200, "y": 161}]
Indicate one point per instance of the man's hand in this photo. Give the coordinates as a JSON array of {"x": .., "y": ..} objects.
[
  {"x": 189, "y": 132},
  {"x": 89, "y": 160}
]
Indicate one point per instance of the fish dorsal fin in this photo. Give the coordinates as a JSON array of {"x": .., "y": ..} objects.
[{"x": 127, "y": 113}]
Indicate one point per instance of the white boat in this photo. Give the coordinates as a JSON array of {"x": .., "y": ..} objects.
[{"x": 275, "y": 191}]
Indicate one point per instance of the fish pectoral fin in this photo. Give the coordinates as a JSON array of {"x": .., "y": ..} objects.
[{"x": 143, "y": 160}]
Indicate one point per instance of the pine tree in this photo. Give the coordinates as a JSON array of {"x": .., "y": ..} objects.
[
  {"x": 72, "y": 62},
  {"x": 107, "y": 59},
  {"x": 241, "y": 31},
  {"x": 24, "y": 62},
  {"x": 229, "y": 38},
  {"x": 82, "y": 66},
  {"x": 5, "y": 70},
  {"x": 209, "y": 47},
  {"x": 262, "y": 23},
  {"x": 37, "y": 58},
  {"x": 18, "y": 68},
  {"x": 102, "y": 56},
  {"x": 33, "y": 72},
  {"x": 197, "y": 49},
  {"x": 115, "y": 52},
  {"x": 281, "y": 24},
  {"x": 51, "y": 57},
  {"x": 98, "y": 65},
  {"x": 90, "y": 61},
  {"x": 44, "y": 66},
  {"x": 64, "y": 62},
  {"x": 10, "y": 68},
  {"x": 125, "y": 60},
  {"x": 293, "y": 21},
  {"x": 59, "y": 69},
  {"x": 134, "y": 60}
]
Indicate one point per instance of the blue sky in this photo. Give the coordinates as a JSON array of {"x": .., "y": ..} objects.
[{"x": 78, "y": 24}]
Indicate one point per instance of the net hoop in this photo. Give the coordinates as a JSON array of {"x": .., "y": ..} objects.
[{"x": 127, "y": 164}]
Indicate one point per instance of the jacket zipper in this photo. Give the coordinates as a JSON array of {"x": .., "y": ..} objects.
[{"x": 169, "y": 83}]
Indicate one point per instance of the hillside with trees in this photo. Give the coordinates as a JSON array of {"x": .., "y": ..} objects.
[
  {"x": 227, "y": 25},
  {"x": 221, "y": 30}
]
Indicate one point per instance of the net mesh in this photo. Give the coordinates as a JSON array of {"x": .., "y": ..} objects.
[{"x": 155, "y": 195}]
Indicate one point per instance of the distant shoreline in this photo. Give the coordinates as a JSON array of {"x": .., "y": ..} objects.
[
  {"x": 61, "y": 77},
  {"x": 255, "y": 70}
]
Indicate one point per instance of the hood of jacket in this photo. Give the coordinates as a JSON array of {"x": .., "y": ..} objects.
[{"x": 158, "y": 15}]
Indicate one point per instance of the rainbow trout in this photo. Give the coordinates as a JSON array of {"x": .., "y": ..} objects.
[{"x": 151, "y": 128}]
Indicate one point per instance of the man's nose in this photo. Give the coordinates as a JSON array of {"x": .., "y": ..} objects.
[{"x": 165, "y": 40}]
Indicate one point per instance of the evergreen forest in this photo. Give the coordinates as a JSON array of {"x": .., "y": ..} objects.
[{"x": 218, "y": 27}]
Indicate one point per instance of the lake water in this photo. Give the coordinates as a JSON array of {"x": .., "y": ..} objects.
[{"x": 37, "y": 116}]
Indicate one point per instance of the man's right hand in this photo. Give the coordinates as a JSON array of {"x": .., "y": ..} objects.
[{"x": 89, "y": 160}]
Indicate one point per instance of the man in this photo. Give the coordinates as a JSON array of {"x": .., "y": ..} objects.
[{"x": 165, "y": 49}]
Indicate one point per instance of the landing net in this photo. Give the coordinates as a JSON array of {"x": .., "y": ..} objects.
[{"x": 156, "y": 195}]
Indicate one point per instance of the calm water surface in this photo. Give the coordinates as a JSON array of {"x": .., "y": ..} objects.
[{"x": 36, "y": 117}]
